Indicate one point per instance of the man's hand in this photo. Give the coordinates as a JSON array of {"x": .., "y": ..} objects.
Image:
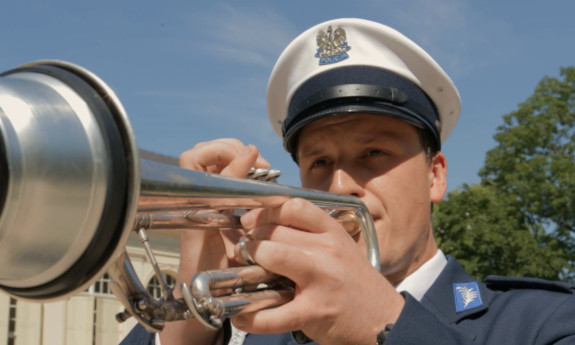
[
  {"x": 210, "y": 249},
  {"x": 339, "y": 299}
]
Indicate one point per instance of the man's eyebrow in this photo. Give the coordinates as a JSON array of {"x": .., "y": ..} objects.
[
  {"x": 314, "y": 151},
  {"x": 387, "y": 133},
  {"x": 383, "y": 135}
]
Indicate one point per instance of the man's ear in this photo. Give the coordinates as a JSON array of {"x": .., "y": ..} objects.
[{"x": 437, "y": 177}]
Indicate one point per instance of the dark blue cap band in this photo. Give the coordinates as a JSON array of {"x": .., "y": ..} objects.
[{"x": 358, "y": 89}]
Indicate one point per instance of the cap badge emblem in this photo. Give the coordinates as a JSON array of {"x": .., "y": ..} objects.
[
  {"x": 467, "y": 296},
  {"x": 331, "y": 46}
]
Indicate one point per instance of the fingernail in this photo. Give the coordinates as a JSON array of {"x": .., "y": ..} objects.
[{"x": 247, "y": 150}]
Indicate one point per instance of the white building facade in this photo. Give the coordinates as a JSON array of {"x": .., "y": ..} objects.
[{"x": 88, "y": 318}]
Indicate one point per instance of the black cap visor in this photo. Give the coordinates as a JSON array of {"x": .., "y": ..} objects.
[{"x": 386, "y": 94}]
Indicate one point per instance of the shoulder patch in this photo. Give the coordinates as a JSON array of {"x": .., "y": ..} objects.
[
  {"x": 467, "y": 296},
  {"x": 509, "y": 283}
]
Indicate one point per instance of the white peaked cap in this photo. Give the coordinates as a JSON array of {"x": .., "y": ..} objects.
[{"x": 353, "y": 65}]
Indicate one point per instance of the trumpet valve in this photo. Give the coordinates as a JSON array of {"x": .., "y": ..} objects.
[{"x": 349, "y": 221}]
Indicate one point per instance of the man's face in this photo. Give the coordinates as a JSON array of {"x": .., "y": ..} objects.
[{"x": 380, "y": 160}]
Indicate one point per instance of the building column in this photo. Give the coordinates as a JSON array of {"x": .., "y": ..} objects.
[
  {"x": 53, "y": 325},
  {"x": 4, "y": 312}
]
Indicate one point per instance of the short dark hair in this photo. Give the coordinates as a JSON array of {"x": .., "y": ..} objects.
[{"x": 429, "y": 143}]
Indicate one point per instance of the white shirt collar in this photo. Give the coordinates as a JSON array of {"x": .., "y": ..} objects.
[{"x": 418, "y": 282}]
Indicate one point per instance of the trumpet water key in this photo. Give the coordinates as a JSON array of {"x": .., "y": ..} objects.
[{"x": 73, "y": 187}]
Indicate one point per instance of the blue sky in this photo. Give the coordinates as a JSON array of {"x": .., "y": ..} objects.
[{"x": 191, "y": 71}]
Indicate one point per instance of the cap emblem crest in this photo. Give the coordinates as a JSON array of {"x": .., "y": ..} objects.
[{"x": 331, "y": 46}]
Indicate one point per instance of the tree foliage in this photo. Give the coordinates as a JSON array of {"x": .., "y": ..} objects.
[
  {"x": 535, "y": 156},
  {"x": 488, "y": 237},
  {"x": 524, "y": 207}
]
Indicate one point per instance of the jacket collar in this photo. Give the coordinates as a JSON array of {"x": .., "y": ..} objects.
[{"x": 453, "y": 283}]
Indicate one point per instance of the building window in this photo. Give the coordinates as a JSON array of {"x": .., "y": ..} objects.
[
  {"x": 155, "y": 288},
  {"x": 102, "y": 286},
  {"x": 12, "y": 322}
]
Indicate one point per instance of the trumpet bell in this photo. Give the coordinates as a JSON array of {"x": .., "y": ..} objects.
[{"x": 69, "y": 179}]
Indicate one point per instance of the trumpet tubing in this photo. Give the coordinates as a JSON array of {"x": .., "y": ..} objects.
[
  {"x": 73, "y": 186},
  {"x": 214, "y": 220}
]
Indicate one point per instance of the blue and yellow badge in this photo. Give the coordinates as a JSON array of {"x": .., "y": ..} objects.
[
  {"x": 332, "y": 46},
  {"x": 467, "y": 296}
]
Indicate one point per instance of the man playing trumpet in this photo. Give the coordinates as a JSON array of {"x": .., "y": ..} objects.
[{"x": 363, "y": 111}]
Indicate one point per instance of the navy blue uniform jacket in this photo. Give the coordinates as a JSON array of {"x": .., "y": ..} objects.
[{"x": 503, "y": 311}]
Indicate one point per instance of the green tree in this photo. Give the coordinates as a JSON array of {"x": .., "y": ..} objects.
[
  {"x": 476, "y": 226},
  {"x": 524, "y": 207},
  {"x": 535, "y": 157}
]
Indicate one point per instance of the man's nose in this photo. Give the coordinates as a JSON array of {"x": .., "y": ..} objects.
[{"x": 344, "y": 183}]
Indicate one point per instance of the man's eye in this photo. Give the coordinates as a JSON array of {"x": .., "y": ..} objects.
[
  {"x": 319, "y": 163},
  {"x": 374, "y": 152}
]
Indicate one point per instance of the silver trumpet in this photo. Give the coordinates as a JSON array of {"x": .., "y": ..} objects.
[{"x": 73, "y": 187}]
